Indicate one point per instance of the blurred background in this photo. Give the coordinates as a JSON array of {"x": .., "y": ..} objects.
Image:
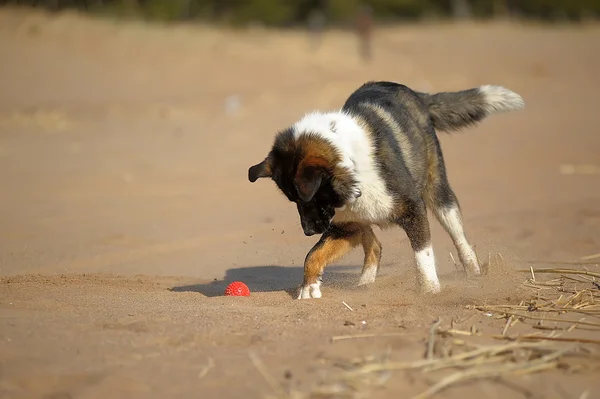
[
  {"x": 127, "y": 126},
  {"x": 126, "y": 132},
  {"x": 281, "y": 13}
]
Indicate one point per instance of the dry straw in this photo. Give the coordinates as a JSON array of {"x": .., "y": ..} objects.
[{"x": 563, "y": 305}]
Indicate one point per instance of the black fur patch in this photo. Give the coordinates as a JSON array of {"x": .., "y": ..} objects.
[
  {"x": 311, "y": 189},
  {"x": 404, "y": 180},
  {"x": 451, "y": 111}
]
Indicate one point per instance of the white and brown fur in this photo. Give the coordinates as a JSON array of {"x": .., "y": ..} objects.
[{"x": 377, "y": 161}]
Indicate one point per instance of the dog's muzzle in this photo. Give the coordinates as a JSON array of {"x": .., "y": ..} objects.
[
  {"x": 309, "y": 232},
  {"x": 319, "y": 228}
]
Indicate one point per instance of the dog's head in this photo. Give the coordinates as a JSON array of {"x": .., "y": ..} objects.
[{"x": 307, "y": 170}]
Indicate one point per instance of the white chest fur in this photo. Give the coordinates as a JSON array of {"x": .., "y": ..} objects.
[
  {"x": 375, "y": 203},
  {"x": 366, "y": 209}
]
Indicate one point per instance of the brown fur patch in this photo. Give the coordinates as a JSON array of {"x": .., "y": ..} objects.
[
  {"x": 291, "y": 155},
  {"x": 318, "y": 152},
  {"x": 311, "y": 161},
  {"x": 313, "y": 146},
  {"x": 309, "y": 175},
  {"x": 372, "y": 247}
]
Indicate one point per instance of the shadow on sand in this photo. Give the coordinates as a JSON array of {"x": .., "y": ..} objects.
[{"x": 272, "y": 279}]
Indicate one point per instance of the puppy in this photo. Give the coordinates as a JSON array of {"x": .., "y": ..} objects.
[{"x": 377, "y": 162}]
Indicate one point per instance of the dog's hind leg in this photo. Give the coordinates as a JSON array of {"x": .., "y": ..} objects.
[
  {"x": 414, "y": 222},
  {"x": 334, "y": 244},
  {"x": 446, "y": 208},
  {"x": 442, "y": 201},
  {"x": 373, "y": 248}
]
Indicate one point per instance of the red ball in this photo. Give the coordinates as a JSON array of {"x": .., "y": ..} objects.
[{"x": 237, "y": 288}]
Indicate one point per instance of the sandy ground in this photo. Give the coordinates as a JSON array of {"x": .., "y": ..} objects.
[{"x": 125, "y": 207}]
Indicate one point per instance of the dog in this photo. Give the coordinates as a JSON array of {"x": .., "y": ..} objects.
[{"x": 378, "y": 162}]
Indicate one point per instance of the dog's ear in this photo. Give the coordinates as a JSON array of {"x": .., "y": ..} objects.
[
  {"x": 260, "y": 170},
  {"x": 309, "y": 177}
]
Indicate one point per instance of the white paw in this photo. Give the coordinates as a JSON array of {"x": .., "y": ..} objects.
[
  {"x": 310, "y": 291},
  {"x": 368, "y": 276},
  {"x": 431, "y": 287},
  {"x": 427, "y": 271},
  {"x": 473, "y": 269},
  {"x": 469, "y": 259}
]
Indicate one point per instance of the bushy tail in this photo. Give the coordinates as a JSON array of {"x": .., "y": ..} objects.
[{"x": 455, "y": 110}]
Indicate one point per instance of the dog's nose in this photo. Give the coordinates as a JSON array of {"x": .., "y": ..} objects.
[{"x": 309, "y": 232}]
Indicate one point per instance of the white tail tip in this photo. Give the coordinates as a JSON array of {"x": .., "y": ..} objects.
[{"x": 501, "y": 99}]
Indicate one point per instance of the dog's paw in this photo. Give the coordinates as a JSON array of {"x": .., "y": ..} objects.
[
  {"x": 368, "y": 276},
  {"x": 310, "y": 291},
  {"x": 431, "y": 287},
  {"x": 470, "y": 262},
  {"x": 473, "y": 269}
]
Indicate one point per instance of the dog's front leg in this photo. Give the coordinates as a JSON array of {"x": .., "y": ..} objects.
[
  {"x": 373, "y": 250},
  {"x": 334, "y": 244}
]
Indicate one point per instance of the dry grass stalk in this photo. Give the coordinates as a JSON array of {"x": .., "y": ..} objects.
[
  {"x": 496, "y": 361},
  {"x": 441, "y": 363},
  {"x": 527, "y": 337},
  {"x": 581, "y": 169},
  {"x": 567, "y": 299},
  {"x": 509, "y": 323},
  {"x": 563, "y": 271},
  {"x": 280, "y": 393},
  {"x": 517, "y": 355},
  {"x": 524, "y": 356},
  {"x": 210, "y": 364},
  {"x": 571, "y": 278},
  {"x": 590, "y": 257},
  {"x": 359, "y": 336},
  {"x": 546, "y": 362},
  {"x": 432, "y": 334},
  {"x": 555, "y": 319},
  {"x": 454, "y": 262}
]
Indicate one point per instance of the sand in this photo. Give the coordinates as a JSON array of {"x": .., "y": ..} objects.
[{"x": 125, "y": 207}]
